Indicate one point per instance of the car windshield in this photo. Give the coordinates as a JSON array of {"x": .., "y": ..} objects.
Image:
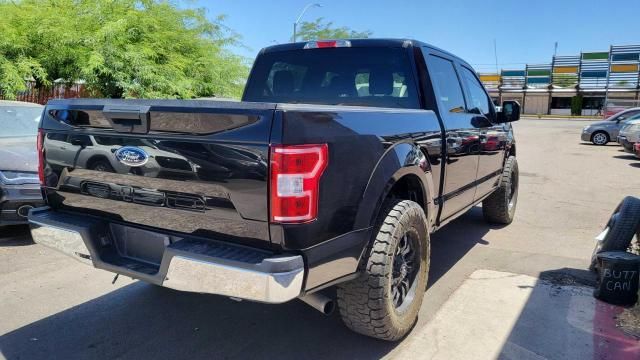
[{"x": 19, "y": 121}]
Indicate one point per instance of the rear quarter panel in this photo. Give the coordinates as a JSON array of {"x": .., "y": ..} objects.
[{"x": 369, "y": 149}]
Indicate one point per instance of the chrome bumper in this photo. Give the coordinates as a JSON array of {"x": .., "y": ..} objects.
[
  {"x": 187, "y": 274},
  {"x": 194, "y": 267}
]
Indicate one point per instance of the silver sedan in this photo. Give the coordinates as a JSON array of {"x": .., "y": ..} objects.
[
  {"x": 601, "y": 132},
  {"x": 19, "y": 182}
]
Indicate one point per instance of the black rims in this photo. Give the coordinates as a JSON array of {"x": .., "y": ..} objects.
[{"x": 406, "y": 263}]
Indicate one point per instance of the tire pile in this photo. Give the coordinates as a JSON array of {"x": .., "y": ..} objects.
[
  {"x": 616, "y": 256},
  {"x": 619, "y": 233}
]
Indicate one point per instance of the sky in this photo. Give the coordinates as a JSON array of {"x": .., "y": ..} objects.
[{"x": 524, "y": 31}]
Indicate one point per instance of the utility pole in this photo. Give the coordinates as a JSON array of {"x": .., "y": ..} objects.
[
  {"x": 495, "y": 54},
  {"x": 304, "y": 10}
]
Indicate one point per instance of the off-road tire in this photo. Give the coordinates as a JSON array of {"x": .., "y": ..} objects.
[
  {"x": 623, "y": 225},
  {"x": 500, "y": 207},
  {"x": 366, "y": 304}
]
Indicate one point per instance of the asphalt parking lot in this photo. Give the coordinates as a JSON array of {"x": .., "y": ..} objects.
[{"x": 54, "y": 307}]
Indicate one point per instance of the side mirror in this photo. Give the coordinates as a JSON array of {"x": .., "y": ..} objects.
[{"x": 510, "y": 112}]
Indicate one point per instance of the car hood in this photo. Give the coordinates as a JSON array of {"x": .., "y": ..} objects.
[
  {"x": 18, "y": 154},
  {"x": 600, "y": 123}
]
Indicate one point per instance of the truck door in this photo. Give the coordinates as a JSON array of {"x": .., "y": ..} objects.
[
  {"x": 493, "y": 136},
  {"x": 461, "y": 136}
]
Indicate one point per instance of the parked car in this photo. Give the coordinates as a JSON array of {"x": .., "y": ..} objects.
[
  {"x": 97, "y": 153},
  {"x": 347, "y": 168},
  {"x": 630, "y": 134},
  {"x": 636, "y": 148},
  {"x": 601, "y": 132},
  {"x": 19, "y": 183}
]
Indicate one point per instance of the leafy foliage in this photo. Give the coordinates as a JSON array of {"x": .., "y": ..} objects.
[
  {"x": 320, "y": 29},
  {"x": 121, "y": 48},
  {"x": 565, "y": 80},
  {"x": 576, "y": 105}
]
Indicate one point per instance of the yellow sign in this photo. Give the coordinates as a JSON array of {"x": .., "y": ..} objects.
[
  {"x": 565, "y": 70},
  {"x": 624, "y": 68},
  {"x": 489, "y": 78}
]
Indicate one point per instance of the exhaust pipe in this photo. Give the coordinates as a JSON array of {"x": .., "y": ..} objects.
[
  {"x": 319, "y": 302},
  {"x": 23, "y": 211}
]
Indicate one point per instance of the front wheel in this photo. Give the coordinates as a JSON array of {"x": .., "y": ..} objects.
[
  {"x": 600, "y": 138},
  {"x": 384, "y": 301},
  {"x": 500, "y": 207}
]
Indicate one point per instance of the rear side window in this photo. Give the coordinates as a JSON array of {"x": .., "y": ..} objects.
[
  {"x": 479, "y": 101},
  {"x": 446, "y": 84},
  {"x": 374, "y": 76}
]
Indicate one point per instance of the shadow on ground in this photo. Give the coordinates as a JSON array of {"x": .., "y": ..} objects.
[
  {"x": 626, "y": 157},
  {"x": 452, "y": 242},
  {"x": 562, "y": 320},
  {"x": 17, "y": 235},
  {"x": 144, "y": 321}
]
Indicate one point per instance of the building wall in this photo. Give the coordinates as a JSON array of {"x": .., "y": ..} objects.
[
  {"x": 536, "y": 104},
  {"x": 605, "y": 75}
]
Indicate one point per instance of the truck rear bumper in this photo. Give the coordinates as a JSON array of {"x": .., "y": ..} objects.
[{"x": 181, "y": 263}]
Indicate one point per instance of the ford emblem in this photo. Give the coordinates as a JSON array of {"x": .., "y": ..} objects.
[{"x": 132, "y": 156}]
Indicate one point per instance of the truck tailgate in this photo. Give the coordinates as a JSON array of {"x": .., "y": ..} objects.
[{"x": 191, "y": 167}]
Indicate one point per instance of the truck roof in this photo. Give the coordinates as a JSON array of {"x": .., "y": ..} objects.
[{"x": 387, "y": 42}]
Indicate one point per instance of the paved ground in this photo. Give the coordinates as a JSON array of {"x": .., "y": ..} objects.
[{"x": 54, "y": 307}]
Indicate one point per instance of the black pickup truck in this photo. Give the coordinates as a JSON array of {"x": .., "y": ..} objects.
[{"x": 340, "y": 161}]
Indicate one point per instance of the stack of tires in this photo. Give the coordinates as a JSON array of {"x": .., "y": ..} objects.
[
  {"x": 619, "y": 233},
  {"x": 614, "y": 243}
]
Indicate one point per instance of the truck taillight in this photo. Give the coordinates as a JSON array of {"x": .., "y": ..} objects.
[
  {"x": 40, "y": 149},
  {"x": 295, "y": 181}
]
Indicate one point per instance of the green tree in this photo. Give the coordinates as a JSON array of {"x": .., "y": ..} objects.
[
  {"x": 121, "y": 48},
  {"x": 320, "y": 29},
  {"x": 576, "y": 105}
]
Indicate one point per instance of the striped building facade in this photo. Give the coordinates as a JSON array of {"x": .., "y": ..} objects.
[{"x": 591, "y": 82}]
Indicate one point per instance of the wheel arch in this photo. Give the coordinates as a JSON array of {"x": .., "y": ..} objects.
[
  {"x": 95, "y": 158},
  {"x": 403, "y": 172}
]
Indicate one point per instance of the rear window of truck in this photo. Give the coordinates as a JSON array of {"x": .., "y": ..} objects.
[{"x": 374, "y": 76}]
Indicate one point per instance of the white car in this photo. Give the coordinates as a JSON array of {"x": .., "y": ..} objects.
[{"x": 630, "y": 134}]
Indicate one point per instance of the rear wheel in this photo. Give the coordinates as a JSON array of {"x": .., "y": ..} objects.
[
  {"x": 500, "y": 207},
  {"x": 384, "y": 301},
  {"x": 600, "y": 138}
]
